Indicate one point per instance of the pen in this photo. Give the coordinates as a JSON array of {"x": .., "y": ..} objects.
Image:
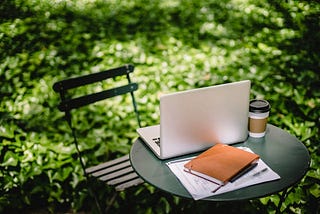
[
  {"x": 215, "y": 190},
  {"x": 243, "y": 172},
  {"x": 258, "y": 173}
]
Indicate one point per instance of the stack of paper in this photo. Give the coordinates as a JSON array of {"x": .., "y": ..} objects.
[{"x": 200, "y": 188}]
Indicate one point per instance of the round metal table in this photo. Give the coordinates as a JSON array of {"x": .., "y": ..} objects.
[{"x": 284, "y": 153}]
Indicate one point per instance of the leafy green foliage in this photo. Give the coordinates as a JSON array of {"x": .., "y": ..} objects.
[{"x": 174, "y": 45}]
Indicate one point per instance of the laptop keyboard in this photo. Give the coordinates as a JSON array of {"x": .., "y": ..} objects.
[{"x": 157, "y": 140}]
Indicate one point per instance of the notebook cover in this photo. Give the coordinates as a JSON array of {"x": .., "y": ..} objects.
[{"x": 221, "y": 162}]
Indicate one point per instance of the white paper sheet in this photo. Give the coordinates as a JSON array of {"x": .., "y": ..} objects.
[{"x": 200, "y": 188}]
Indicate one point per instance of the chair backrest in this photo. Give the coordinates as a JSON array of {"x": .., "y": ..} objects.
[{"x": 67, "y": 104}]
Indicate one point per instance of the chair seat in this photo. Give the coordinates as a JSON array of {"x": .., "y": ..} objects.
[{"x": 117, "y": 172}]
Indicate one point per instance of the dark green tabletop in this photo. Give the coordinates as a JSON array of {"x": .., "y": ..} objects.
[{"x": 284, "y": 153}]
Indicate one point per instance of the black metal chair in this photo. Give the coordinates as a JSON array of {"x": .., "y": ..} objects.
[{"x": 117, "y": 172}]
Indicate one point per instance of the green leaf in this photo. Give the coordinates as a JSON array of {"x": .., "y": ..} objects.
[
  {"x": 10, "y": 159},
  {"x": 264, "y": 200},
  {"x": 314, "y": 174},
  {"x": 315, "y": 190}
]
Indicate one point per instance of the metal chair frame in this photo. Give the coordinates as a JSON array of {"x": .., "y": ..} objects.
[{"x": 118, "y": 172}]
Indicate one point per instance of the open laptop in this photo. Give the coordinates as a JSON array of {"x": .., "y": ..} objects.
[{"x": 196, "y": 119}]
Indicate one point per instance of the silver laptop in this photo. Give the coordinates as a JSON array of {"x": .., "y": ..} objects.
[{"x": 196, "y": 119}]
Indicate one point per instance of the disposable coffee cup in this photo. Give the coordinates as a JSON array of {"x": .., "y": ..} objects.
[{"x": 258, "y": 118}]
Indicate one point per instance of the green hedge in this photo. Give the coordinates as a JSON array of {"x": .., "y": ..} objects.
[{"x": 174, "y": 45}]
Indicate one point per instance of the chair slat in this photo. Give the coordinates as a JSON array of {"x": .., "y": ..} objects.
[
  {"x": 131, "y": 183},
  {"x": 78, "y": 102},
  {"x": 116, "y": 174},
  {"x": 111, "y": 169},
  {"x": 107, "y": 164},
  {"x": 123, "y": 179},
  {"x": 91, "y": 78}
]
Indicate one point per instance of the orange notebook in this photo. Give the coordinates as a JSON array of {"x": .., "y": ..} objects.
[{"x": 220, "y": 163}]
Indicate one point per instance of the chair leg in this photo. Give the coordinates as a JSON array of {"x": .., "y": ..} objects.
[
  {"x": 112, "y": 200},
  {"x": 87, "y": 179},
  {"x": 92, "y": 193}
]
